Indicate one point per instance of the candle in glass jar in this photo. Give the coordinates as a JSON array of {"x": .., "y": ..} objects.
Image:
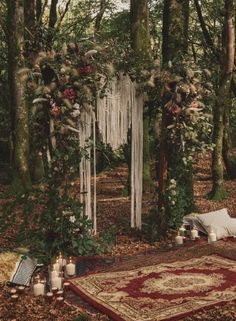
[
  {"x": 49, "y": 296},
  {"x": 13, "y": 291},
  {"x": 70, "y": 268},
  {"x": 38, "y": 289},
  {"x": 14, "y": 297},
  {"x": 60, "y": 300}
]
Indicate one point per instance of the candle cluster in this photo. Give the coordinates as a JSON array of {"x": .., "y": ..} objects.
[
  {"x": 57, "y": 286},
  {"x": 183, "y": 234}
]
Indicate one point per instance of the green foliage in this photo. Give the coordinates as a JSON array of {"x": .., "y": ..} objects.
[{"x": 106, "y": 157}]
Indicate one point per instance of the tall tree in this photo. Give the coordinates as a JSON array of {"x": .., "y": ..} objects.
[
  {"x": 17, "y": 80},
  {"x": 222, "y": 99},
  {"x": 52, "y": 22},
  {"x": 141, "y": 45},
  {"x": 174, "y": 48}
]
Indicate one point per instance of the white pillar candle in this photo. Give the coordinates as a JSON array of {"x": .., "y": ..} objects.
[
  {"x": 56, "y": 266},
  {"x": 38, "y": 289},
  {"x": 194, "y": 234},
  {"x": 179, "y": 240},
  {"x": 56, "y": 282},
  {"x": 211, "y": 237},
  {"x": 70, "y": 268},
  {"x": 54, "y": 273}
]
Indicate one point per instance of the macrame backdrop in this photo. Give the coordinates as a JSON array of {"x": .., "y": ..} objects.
[
  {"x": 114, "y": 111},
  {"x": 86, "y": 130},
  {"x": 121, "y": 106}
]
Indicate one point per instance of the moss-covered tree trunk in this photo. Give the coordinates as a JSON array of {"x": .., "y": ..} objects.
[
  {"x": 228, "y": 155},
  {"x": 18, "y": 77},
  {"x": 174, "y": 48},
  {"x": 221, "y": 105},
  {"x": 140, "y": 43},
  {"x": 31, "y": 49}
]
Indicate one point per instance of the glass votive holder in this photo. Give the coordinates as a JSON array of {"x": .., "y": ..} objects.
[
  {"x": 21, "y": 289},
  {"x": 54, "y": 290},
  {"x": 60, "y": 293},
  {"x": 13, "y": 291},
  {"x": 60, "y": 301},
  {"x": 66, "y": 286},
  {"x": 14, "y": 297},
  {"x": 49, "y": 297}
]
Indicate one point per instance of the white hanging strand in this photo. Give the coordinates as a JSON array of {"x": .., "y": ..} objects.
[
  {"x": 94, "y": 176},
  {"x": 136, "y": 160},
  {"x": 87, "y": 120}
]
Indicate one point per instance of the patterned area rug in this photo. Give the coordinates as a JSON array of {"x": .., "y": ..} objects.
[{"x": 167, "y": 291}]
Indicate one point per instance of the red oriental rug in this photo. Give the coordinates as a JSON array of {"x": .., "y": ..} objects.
[{"x": 167, "y": 291}]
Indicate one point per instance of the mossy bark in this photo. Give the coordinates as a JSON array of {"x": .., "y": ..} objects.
[
  {"x": 18, "y": 77},
  {"x": 218, "y": 190},
  {"x": 147, "y": 179},
  {"x": 175, "y": 30},
  {"x": 222, "y": 102},
  {"x": 228, "y": 155},
  {"x": 140, "y": 43},
  {"x": 174, "y": 48},
  {"x": 140, "y": 33}
]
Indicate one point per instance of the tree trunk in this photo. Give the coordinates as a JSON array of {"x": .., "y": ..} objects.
[
  {"x": 140, "y": 33},
  {"x": 39, "y": 9},
  {"x": 140, "y": 43},
  {"x": 30, "y": 47},
  {"x": 227, "y": 64},
  {"x": 174, "y": 48},
  {"x": 52, "y": 22},
  {"x": 99, "y": 17},
  {"x": 12, "y": 66},
  {"x": 18, "y": 77},
  {"x": 175, "y": 30},
  {"x": 228, "y": 155}
]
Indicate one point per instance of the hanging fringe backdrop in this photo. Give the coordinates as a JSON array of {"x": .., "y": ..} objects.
[
  {"x": 114, "y": 111},
  {"x": 120, "y": 106},
  {"x": 86, "y": 130}
]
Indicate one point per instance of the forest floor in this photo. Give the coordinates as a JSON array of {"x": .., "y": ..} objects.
[{"x": 129, "y": 250}]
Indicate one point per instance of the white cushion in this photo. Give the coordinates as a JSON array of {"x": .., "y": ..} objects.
[
  {"x": 231, "y": 227},
  {"x": 217, "y": 221}
]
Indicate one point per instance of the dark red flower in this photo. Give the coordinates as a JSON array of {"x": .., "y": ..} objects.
[
  {"x": 174, "y": 109},
  {"x": 69, "y": 93},
  {"x": 86, "y": 70}
]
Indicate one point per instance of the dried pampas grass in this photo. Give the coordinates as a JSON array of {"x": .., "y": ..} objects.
[{"x": 8, "y": 262}]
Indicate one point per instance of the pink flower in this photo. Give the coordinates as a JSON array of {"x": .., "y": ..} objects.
[
  {"x": 174, "y": 109},
  {"x": 55, "y": 111},
  {"x": 69, "y": 93}
]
